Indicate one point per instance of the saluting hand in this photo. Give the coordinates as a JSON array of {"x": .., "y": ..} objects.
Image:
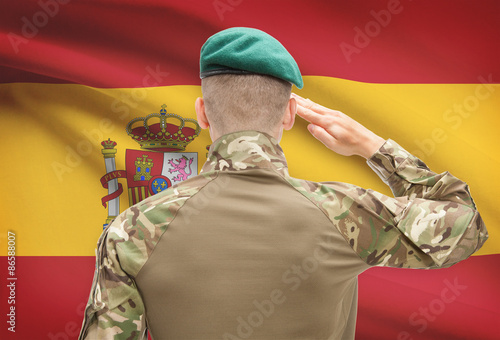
[{"x": 337, "y": 131}]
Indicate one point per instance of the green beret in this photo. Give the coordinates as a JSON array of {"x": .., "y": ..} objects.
[{"x": 242, "y": 50}]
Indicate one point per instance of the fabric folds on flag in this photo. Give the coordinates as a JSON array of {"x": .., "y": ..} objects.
[{"x": 74, "y": 73}]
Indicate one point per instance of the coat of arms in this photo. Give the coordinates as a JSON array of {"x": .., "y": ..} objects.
[{"x": 159, "y": 164}]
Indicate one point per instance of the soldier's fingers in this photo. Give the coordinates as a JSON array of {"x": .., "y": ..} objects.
[
  {"x": 310, "y": 115},
  {"x": 302, "y": 101},
  {"x": 322, "y": 135},
  {"x": 308, "y": 103}
]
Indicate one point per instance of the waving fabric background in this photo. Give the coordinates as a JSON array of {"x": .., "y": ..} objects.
[{"x": 73, "y": 73}]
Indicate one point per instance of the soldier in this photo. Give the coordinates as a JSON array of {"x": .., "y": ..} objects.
[{"x": 244, "y": 250}]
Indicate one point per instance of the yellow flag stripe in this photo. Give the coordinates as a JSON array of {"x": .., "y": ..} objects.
[{"x": 52, "y": 163}]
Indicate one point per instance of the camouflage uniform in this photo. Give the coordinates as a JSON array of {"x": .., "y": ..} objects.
[{"x": 245, "y": 251}]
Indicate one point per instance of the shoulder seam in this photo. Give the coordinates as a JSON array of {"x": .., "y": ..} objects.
[
  {"x": 215, "y": 175},
  {"x": 326, "y": 215}
]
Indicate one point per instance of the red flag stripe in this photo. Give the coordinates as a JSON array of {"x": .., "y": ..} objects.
[
  {"x": 417, "y": 304},
  {"x": 155, "y": 43}
]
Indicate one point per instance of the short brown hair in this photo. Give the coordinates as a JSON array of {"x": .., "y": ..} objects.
[{"x": 245, "y": 102}]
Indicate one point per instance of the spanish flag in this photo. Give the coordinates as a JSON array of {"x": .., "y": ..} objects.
[{"x": 74, "y": 74}]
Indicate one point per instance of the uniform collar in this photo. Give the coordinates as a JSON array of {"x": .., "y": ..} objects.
[{"x": 245, "y": 150}]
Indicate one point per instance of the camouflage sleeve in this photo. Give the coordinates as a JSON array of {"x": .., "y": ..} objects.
[
  {"x": 432, "y": 222},
  {"x": 115, "y": 309},
  {"x": 434, "y": 218},
  {"x": 402, "y": 232},
  {"x": 408, "y": 176}
]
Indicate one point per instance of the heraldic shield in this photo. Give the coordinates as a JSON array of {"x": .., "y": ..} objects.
[{"x": 160, "y": 163}]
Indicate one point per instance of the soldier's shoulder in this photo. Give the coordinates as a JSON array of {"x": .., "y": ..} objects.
[
  {"x": 138, "y": 229},
  {"x": 311, "y": 188},
  {"x": 157, "y": 210}
]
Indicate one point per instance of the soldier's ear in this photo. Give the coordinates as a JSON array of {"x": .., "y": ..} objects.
[
  {"x": 199, "y": 106},
  {"x": 289, "y": 117}
]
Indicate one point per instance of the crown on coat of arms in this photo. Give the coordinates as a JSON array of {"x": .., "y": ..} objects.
[{"x": 155, "y": 134}]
